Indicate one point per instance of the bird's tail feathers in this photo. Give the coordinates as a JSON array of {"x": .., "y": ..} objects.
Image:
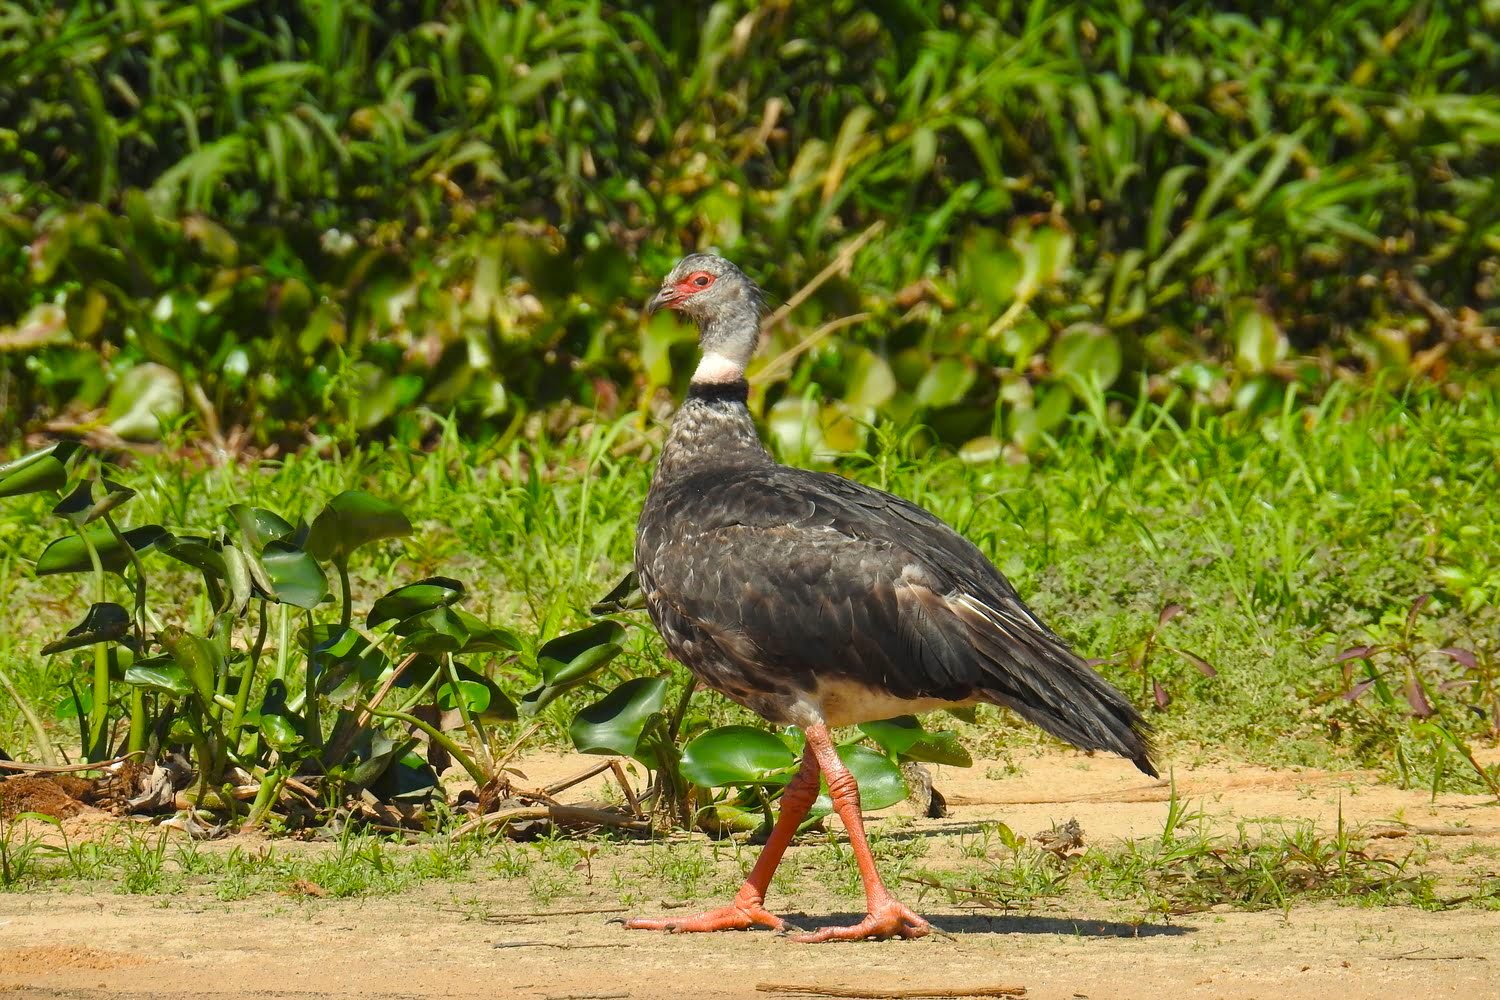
[{"x": 1039, "y": 678}]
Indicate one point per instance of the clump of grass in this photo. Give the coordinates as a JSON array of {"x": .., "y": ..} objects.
[{"x": 1188, "y": 870}]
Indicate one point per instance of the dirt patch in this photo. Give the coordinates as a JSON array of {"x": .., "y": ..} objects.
[
  {"x": 491, "y": 934},
  {"x": 480, "y": 941},
  {"x": 44, "y": 960}
]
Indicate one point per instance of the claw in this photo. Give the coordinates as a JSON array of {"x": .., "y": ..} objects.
[{"x": 888, "y": 921}]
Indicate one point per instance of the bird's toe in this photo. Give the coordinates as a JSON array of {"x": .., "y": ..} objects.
[
  {"x": 889, "y": 921},
  {"x": 725, "y": 918}
]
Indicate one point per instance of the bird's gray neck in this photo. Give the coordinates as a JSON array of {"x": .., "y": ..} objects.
[
  {"x": 713, "y": 429},
  {"x": 728, "y": 339}
]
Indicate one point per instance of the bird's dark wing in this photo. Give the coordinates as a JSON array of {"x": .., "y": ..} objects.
[{"x": 808, "y": 574}]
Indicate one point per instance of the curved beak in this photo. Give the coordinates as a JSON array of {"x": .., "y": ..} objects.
[{"x": 664, "y": 297}]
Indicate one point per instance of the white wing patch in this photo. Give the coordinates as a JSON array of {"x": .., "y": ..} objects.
[{"x": 1000, "y": 619}]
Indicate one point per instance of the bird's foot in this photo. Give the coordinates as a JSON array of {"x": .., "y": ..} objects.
[
  {"x": 890, "y": 919},
  {"x": 740, "y": 915}
]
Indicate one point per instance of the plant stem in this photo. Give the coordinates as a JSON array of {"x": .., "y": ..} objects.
[
  {"x": 242, "y": 696},
  {"x": 480, "y": 746},
  {"x": 283, "y": 638},
  {"x": 99, "y": 711},
  {"x": 346, "y": 611},
  {"x": 265, "y": 797},
  {"x": 140, "y": 578},
  {"x": 138, "y": 727},
  {"x": 314, "y": 733},
  {"x": 438, "y": 737}
]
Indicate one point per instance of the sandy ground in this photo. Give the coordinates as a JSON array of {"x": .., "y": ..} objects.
[{"x": 489, "y": 938}]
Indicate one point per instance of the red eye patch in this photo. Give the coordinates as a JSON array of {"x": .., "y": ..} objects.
[{"x": 695, "y": 282}]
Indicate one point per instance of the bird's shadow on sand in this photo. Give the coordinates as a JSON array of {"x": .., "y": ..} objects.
[{"x": 968, "y": 924}]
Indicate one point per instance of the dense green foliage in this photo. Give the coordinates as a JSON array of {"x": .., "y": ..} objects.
[
  {"x": 1285, "y": 555},
  {"x": 281, "y": 215}
]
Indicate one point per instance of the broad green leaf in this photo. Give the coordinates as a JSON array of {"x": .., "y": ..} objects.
[
  {"x": 1258, "y": 341},
  {"x": 237, "y": 573},
  {"x": 114, "y": 496},
  {"x": 946, "y": 382},
  {"x": 571, "y": 658},
  {"x": 894, "y": 736},
  {"x": 62, "y": 452},
  {"x": 330, "y": 641},
  {"x": 41, "y": 476},
  {"x": 75, "y": 507},
  {"x": 1088, "y": 354},
  {"x": 260, "y": 526},
  {"x": 294, "y": 575},
  {"x": 351, "y": 519},
  {"x": 104, "y": 622},
  {"x": 415, "y": 598},
  {"x": 145, "y": 397},
  {"x": 737, "y": 755},
  {"x": 378, "y": 756},
  {"x": 481, "y": 696},
  {"x": 484, "y": 637},
  {"x": 409, "y": 778},
  {"x": 941, "y": 747},
  {"x": 160, "y": 673},
  {"x": 69, "y": 555},
  {"x": 436, "y": 631},
  {"x": 199, "y": 658},
  {"x": 614, "y": 724},
  {"x": 200, "y": 553},
  {"x": 36, "y": 473},
  {"x": 278, "y": 724}
]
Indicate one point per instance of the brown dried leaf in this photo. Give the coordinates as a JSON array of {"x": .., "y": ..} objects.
[{"x": 1463, "y": 656}]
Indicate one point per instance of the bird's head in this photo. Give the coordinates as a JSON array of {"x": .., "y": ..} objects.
[
  {"x": 725, "y": 304},
  {"x": 706, "y": 287}
]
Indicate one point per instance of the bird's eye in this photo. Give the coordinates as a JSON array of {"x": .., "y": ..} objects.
[{"x": 702, "y": 279}]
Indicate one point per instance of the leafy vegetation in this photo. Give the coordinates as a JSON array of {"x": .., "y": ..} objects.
[
  {"x": 339, "y": 216},
  {"x": 1125, "y": 535},
  {"x": 1186, "y": 317},
  {"x": 339, "y": 718}
]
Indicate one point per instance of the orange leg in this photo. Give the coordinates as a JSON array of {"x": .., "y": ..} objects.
[
  {"x": 748, "y": 908},
  {"x": 886, "y": 917}
]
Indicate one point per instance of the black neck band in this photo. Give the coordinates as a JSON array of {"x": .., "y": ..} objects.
[{"x": 737, "y": 391}]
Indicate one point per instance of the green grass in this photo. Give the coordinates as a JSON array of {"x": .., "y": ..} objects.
[
  {"x": 1268, "y": 865},
  {"x": 1286, "y": 540}
]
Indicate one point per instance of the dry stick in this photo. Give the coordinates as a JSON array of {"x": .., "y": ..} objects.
[
  {"x": 1395, "y": 832},
  {"x": 585, "y": 775},
  {"x": 561, "y": 814},
  {"x": 786, "y": 357},
  {"x": 937, "y": 992},
  {"x": 367, "y": 712},
  {"x": 835, "y": 266},
  {"x": 559, "y": 945},
  {"x": 635, "y": 804},
  {"x": 98, "y": 765},
  {"x": 539, "y": 913}
]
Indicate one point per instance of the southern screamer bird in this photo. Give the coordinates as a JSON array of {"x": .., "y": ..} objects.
[{"x": 818, "y": 602}]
